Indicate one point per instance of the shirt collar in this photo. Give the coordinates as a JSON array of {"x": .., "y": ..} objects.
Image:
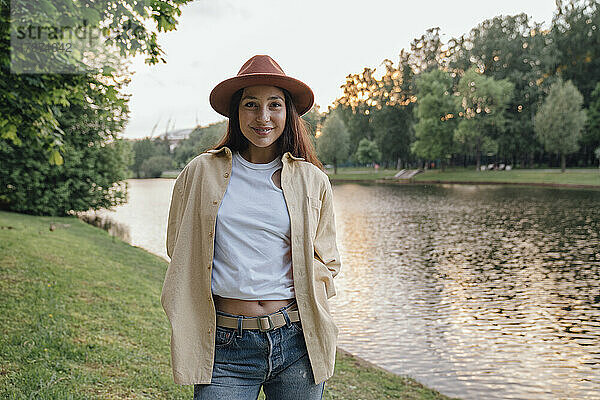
[{"x": 287, "y": 156}]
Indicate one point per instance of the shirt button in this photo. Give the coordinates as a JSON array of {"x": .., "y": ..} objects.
[
  {"x": 215, "y": 201},
  {"x": 226, "y": 174},
  {"x": 210, "y": 233}
]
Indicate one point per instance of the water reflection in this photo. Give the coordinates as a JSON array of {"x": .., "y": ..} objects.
[
  {"x": 483, "y": 291},
  {"x": 146, "y": 213}
]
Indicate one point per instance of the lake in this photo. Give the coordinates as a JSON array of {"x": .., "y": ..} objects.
[{"x": 478, "y": 291}]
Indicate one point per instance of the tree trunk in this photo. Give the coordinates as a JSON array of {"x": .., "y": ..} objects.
[
  {"x": 563, "y": 162},
  {"x": 478, "y": 155},
  {"x": 531, "y": 157}
]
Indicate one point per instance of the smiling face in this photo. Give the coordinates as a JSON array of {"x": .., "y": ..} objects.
[{"x": 262, "y": 116}]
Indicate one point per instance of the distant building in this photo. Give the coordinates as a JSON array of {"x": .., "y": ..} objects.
[{"x": 176, "y": 136}]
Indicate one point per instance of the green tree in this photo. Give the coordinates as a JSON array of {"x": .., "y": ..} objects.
[
  {"x": 95, "y": 162},
  {"x": 591, "y": 134},
  {"x": 381, "y": 110},
  {"x": 201, "y": 139},
  {"x": 393, "y": 132},
  {"x": 367, "y": 152},
  {"x": 31, "y": 101},
  {"x": 520, "y": 50},
  {"x": 436, "y": 111},
  {"x": 576, "y": 33},
  {"x": 332, "y": 144},
  {"x": 143, "y": 149},
  {"x": 313, "y": 120},
  {"x": 356, "y": 106},
  {"x": 210, "y": 135},
  {"x": 483, "y": 101},
  {"x": 163, "y": 145},
  {"x": 153, "y": 167},
  {"x": 392, "y": 118},
  {"x": 560, "y": 120},
  {"x": 426, "y": 52},
  {"x": 597, "y": 154}
]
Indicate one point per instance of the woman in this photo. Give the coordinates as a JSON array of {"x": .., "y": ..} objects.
[{"x": 251, "y": 236}]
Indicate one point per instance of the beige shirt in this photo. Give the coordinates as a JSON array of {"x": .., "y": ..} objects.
[{"x": 186, "y": 293}]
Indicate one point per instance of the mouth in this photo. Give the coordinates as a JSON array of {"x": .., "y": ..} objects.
[{"x": 262, "y": 131}]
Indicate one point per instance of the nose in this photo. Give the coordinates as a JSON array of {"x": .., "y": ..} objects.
[{"x": 263, "y": 115}]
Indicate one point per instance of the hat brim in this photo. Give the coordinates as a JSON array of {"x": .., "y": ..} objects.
[{"x": 302, "y": 95}]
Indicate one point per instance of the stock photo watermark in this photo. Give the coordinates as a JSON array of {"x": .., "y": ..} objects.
[{"x": 68, "y": 38}]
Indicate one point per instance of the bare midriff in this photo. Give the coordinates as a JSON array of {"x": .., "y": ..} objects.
[{"x": 248, "y": 308}]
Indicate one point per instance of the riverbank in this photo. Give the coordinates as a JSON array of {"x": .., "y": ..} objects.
[
  {"x": 82, "y": 319},
  {"x": 582, "y": 178}
]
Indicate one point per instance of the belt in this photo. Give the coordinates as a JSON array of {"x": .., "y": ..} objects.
[{"x": 263, "y": 323}]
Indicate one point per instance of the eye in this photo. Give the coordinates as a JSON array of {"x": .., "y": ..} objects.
[
  {"x": 250, "y": 104},
  {"x": 276, "y": 104}
]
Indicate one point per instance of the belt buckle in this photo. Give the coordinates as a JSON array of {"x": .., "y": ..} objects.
[{"x": 260, "y": 325}]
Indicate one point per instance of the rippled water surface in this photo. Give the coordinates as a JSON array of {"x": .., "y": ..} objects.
[
  {"x": 481, "y": 292},
  {"x": 478, "y": 291}
]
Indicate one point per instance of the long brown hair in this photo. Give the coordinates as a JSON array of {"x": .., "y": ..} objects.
[{"x": 295, "y": 137}]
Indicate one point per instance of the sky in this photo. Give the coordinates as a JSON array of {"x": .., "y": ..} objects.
[{"x": 318, "y": 42}]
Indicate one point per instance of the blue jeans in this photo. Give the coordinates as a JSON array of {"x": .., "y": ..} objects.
[{"x": 246, "y": 359}]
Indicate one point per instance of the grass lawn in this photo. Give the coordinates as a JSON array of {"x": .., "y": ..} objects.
[
  {"x": 81, "y": 319},
  {"x": 570, "y": 176}
]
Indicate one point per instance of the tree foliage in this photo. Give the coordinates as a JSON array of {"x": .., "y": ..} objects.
[
  {"x": 143, "y": 149},
  {"x": 591, "y": 134},
  {"x": 483, "y": 102},
  {"x": 560, "y": 120},
  {"x": 333, "y": 143},
  {"x": 517, "y": 49},
  {"x": 201, "y": 139},
  {"x": 393, "y": 132},
  {"x": 154, "y": 166},
  {"x": 576, "y": 36},
  {"x": 94, "y": 165},
  {"x": 32, "y": 100},
  {"x": 381, "y": 109},
  {"x": 507, "y": 49},
  {"x": 72, "y": 120},
  {"x": 436, "y": 114},
  {"x": 367, "y": 152}
]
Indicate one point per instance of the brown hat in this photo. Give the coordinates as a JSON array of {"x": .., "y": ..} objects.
[{"x": 261, "y": 70}]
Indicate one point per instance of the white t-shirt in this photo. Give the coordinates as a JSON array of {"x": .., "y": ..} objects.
[{"x": 252, "y": 253}]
